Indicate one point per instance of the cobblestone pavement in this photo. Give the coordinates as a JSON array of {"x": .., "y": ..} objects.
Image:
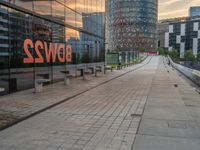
[
  {"x": 17, "y": 106},
  {"x": 104, "y": 118},
  {"x": 141, "y": 110}
]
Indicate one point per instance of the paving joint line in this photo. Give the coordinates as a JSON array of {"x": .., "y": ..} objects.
[
  {"x": 147, "y": 96},
  {"x": 69, "y": 98},
  {"x": 171, "y": 136}
]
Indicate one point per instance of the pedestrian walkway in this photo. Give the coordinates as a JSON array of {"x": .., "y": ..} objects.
[
  {"x": 20, "y": 105},
  {"x": 151, "y": 108},
  {"x": 171, "y": 119}
]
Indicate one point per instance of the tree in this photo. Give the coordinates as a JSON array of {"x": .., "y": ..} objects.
[
  {"x": 198, "y": 56},
  {"x": 189, "y": 56},
  {"x": 142, "y": 49},
  {"x": 161, "y": 51},
  {"x": 173, "y": 54}
]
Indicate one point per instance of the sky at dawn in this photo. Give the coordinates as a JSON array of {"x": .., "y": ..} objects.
[{"x": 175, "y": 8}]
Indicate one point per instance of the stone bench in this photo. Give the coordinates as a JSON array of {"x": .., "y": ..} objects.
[
  {"x": 85, "y": 73},
  {"x": 39, "y": 84},
  {"x": 12, "y": 82},
  {"x": 119, "y": 67},
  {"x": 97, "y": 70},
  {"x": 66, "y": 77},
  {"x": 2, "y": 89},
  {"x": 91, "y": 69},
  {"x": 109, "y": 68},
  {"x": 99, "y": 67},
  {"x": 81, "y": 71}
]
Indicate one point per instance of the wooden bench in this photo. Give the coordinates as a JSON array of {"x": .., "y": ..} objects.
[
  {"x": 66, "y": 76},
  {"x": 39, "y": 84}
]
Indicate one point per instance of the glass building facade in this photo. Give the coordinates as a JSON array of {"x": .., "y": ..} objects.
[
  {"x": 131, "y": 24},
  {"x": 184, "y": 34},
  {"x": 43, "y": 25},
  {"x": 194, "y": 11}
]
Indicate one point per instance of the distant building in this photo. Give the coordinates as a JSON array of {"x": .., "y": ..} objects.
[
  {"x": 94, "y": 23},
  {"x": 162, "y": 28},
  {"x": 194, "y": 11},
  {"x": 184, "y": 34},
  {"x": 4, "y": 39},
  {"x": 131, "y": 24}
]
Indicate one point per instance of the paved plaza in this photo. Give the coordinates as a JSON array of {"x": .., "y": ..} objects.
[{"x": 149, "y": 106}]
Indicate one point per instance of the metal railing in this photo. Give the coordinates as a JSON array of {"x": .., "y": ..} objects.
[{"x": 192, "y": 74}]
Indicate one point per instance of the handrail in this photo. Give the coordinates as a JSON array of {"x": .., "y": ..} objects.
[{"x": 192, "y": 74}]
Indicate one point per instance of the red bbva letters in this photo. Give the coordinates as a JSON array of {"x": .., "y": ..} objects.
[
  {"x": 62, "y": 51},
  {"x": 28, "y": 44}
]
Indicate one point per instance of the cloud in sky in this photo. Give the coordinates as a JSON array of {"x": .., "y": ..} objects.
[{"x": 175, "y": 8}]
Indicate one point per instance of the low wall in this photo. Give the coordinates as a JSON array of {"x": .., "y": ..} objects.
[{"x": 192, "y": 74}]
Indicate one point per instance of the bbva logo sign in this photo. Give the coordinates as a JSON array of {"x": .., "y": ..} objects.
[{"x": 46, "y": 52}]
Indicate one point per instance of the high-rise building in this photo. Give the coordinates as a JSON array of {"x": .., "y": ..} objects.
[
  {"x": 131, "y": 24},
  {"x": 52, "y": 24},
  {"x": 184, "y": 34},
  {"x": 194, "y": 11},
  {"x": 95, "y": 23},
  {"x": 163, "y": 28}
]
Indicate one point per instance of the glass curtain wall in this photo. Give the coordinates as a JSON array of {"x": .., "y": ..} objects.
[
  {"x": 131, "y": 24},
  {"x": 79, "y": 23}
]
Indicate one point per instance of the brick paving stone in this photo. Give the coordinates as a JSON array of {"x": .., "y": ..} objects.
[
  {"x": 168, "y": 121},
  {"x": 99, "y": 119},
  {"x": 21, "y": 104}
]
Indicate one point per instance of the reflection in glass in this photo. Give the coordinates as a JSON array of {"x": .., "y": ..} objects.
[
  {"x": 42, "y": 7},
  {"x": 58, "y": 11},
  {"x": 70, "y": 17},
  {"x": 16, "y": 26},
  {"x": 23, "y": 3}
]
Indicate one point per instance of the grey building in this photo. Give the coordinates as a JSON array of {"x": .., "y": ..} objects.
[
  {"x": 184, "y": 35},
  {"x": 162, "y": 28},
  {"x": 194, "y": 11}
]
